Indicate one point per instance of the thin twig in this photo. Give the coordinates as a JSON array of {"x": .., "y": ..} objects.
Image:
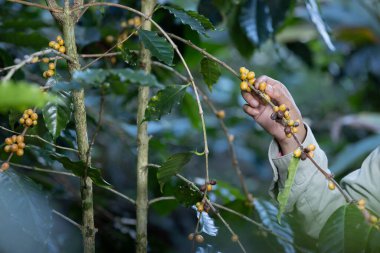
[
  {"x": 36, "y": 5},
  {"x": 40, "y": 138},
  {"x": 119, "y": 194},
  {"x": 29, "y": 59},
  {"x": 235, "y": 162},
  {"x": 152, "y": 201},
  {"x": 100, "y": 55},
  {"x": 67, "y": 219}
]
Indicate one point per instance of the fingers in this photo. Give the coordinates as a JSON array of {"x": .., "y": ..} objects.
[
  {"x": 250, "y": 99},
  {"x": 254, "y": 112},
  {"x": 275, "y": 90}
]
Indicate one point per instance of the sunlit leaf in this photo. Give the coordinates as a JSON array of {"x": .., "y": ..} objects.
[
  {"x": 345, "y": 231},
  {"x": 21, "y": 95},
  {"x": 158, "y": 46},
  {"x": 78, "y": 167},
  {"x": 268, "y": 215},
  {"x": 196, "y": 21},
  {"x": 57, "y": 115},
  {"x": 210, "y": 71},
  {"x": 312, "y": 8},
  {"x": 172, "y": 166},
  {"x": 163, "y": 102},
  {"x": 283, "y": 195}
]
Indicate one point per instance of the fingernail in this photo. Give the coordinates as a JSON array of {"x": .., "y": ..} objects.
[{"x": 269, "y": 89}]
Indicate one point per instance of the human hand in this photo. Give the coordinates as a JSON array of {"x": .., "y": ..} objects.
[{"x": 261, "y": 111}]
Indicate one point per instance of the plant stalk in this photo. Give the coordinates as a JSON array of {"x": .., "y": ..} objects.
[{"x": 142, "y": 203}]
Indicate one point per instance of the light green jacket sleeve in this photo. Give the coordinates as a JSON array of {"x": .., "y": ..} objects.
[{"x": 310, "y": 199}]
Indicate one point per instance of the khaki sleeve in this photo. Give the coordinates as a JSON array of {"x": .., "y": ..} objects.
[{"x": 310, "y": 199}]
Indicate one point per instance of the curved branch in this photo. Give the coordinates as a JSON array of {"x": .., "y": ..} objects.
[{"x": 52, "y": 9}]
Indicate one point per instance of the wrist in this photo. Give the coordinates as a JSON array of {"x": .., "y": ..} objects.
[{"x": 288, "y": 145}]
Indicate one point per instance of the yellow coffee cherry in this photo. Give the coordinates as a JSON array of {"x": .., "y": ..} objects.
[
  {"x": 290, "y": 122},
  {"x": 243, "y": 76},
  {"x": 209, "y": 187},
  {"x": 361, "y": 202},
  {"x": 21, "y": 145},
  {"x": 289, "y": 135},
  {"x": 59, "y": 37},
  {"x": 52, "y": 43},
  {"x": 373, "y": 219},
  {"x": 29, "y": 112},
  {"x": 275, "y": 108},
  {"x": 20, "y": 139},
  {"x": 28, "y": 122},
  {"x": 35, "y": 122},
  {"x": 62, "y": 49},
  {"x": 7, "y": 148},
  {"x": 221, "y": 114},
  {"x": 20, "y": 152},
  {"x": 61, "y": 42},
  {"x": 21, "y": 121},
  {"x": 331, "y": 186},
  {"x": 51, "y": 66},
  {"x": 311, "y": 147},
  {"x": 35, "y": 59},
  {"x": 311, "y": 154},
  {"x": 262, "y": 86},
  {"x": 50, "y": 73},
  {"x": 287, "y": 115},
  {"x": 4, "y": 166},
  {"x": 251, "y": 75},
  {"x": 297, "y": 153},
  {"x": 34, "y": 116},
  {"x": 243, "y": 85},
  {"x": 234, "y": 238},
  {"x": 137, "y": 21},
  {"x": 252, "y": 81},
  {"x": 44, "y": 74},
  {"x": 190, "y": 236},
  {"x": 8, "y": 141},
  {"x": 14, "y": 147},
  {"x": 243, "y": 70},
  {"x": 45, "y": 60},
  {"x": 294, "y": 130},
  {"x": 130, "y": 22},
  {"x": 14, "y": 138},
  {"x": 282, "y": 107},
  {"x": 56, "y": 46},
  {"x": 199, "y": 238}
]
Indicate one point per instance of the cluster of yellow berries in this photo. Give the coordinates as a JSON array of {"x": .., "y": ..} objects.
[
  {"x": 51, "y": 71},
  {"x": 29, "y": 118},
  {"x": 309, "y": 150},
  {"x": 58, "y": 45},
  {"x": 202, "y": 207},
  {"x": 281, "y": 114},
  {"x": 208, "y": 186},
  {"x": 247, "y": 77},
  {"x": 15, "y": 144},
  {"x": 197, "y": 237},
  {"x": 132, "y": 22},
  {"x": 371, "y": 218}
]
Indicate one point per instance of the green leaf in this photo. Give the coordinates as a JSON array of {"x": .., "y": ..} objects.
[
  {"x": 57, "y": 115},
  {"x": 186, "y": 195},
  {"x": 32, "y": 40},
  {"x": 77, "y": 167},
  {"x": 189, "y": 107},
  {"x": 21, "y": 95},
  {"x": 163, "y": 101},
  {"x": 345, "y": 231},
  {"x": 210, "y": 71},
  {"x": 283, "y": 196},
  {"x": 268, "y": 212},
  {"x": 373, "y": 241},
  {"x": 196, "y": 21},
  {"x": 315, "y": 16},
  {"x": 157, "y": 45},
  {"x": 13, "y": 117},
  {"x": 172, "y": 166}
]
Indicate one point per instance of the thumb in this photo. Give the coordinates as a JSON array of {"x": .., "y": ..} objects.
[{"x": 277, "y": 94}]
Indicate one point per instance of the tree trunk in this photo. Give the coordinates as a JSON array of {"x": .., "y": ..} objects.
[
  {"x": 88, "y": 228},
  {"x": 143, "y": 144}
]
